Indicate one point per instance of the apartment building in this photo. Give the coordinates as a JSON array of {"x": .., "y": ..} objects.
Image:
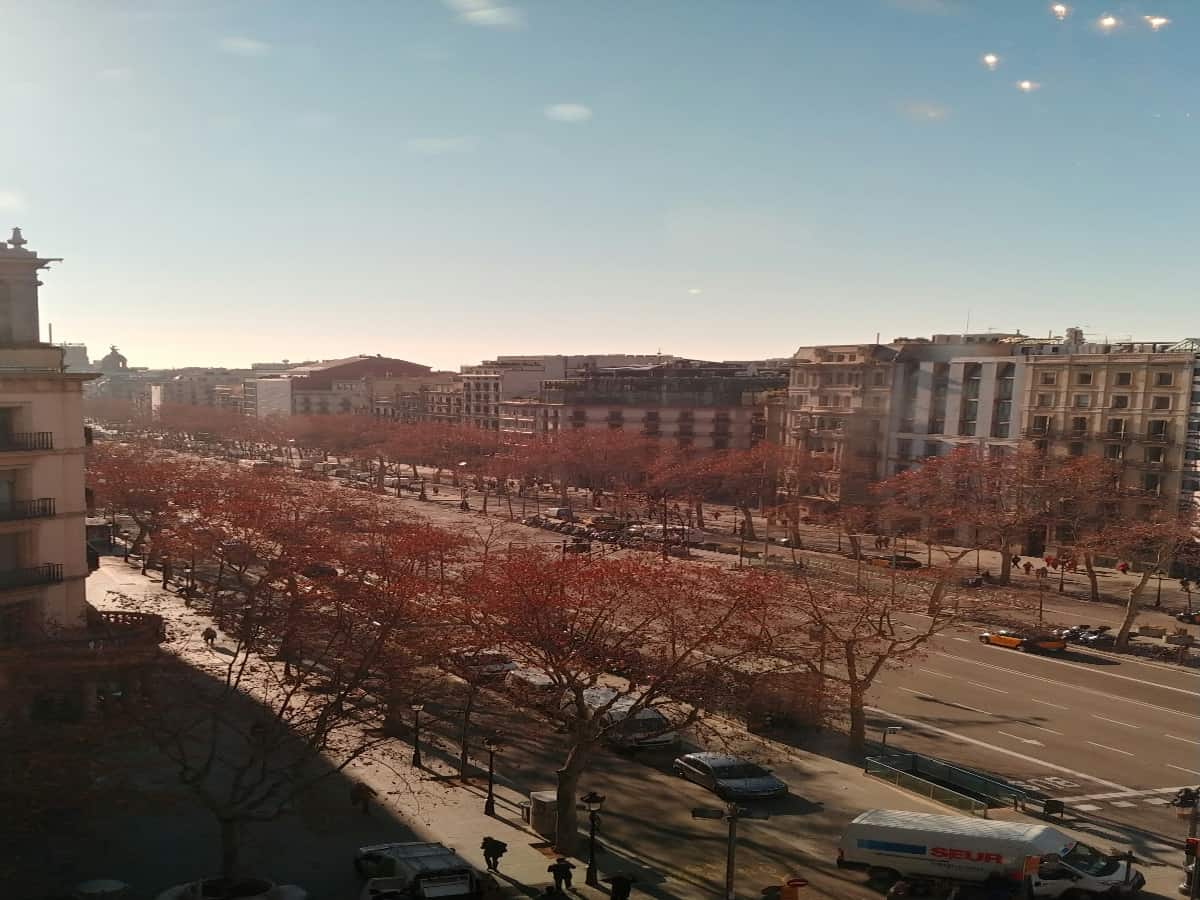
[
  {"x": 1130, "y": 403},
  {"x": 839, "y": 399},
  {"x": 951, "y": 391},
  {"x": 709, "y": 406},
  {"x": 343, "y": 385},
  {"x": 444, "y": 402},
  {"x": 57, "y": 653}
]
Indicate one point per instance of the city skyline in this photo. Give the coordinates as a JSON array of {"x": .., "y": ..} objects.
[{"x": 445, "y": 181}]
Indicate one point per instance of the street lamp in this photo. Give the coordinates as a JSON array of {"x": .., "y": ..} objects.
[
  {"x": 731, "y": 814},
  {"x": 493, "y": 746},
  {"x": 592, "y": 803},
  {"x": 417, "y": 706},
  {"x": 890, "y": 729}
]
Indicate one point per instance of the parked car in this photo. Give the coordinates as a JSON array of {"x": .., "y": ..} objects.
[
  {"x": 897, "y": 561},
  {"x": 645, "y": 729},
  {"x": 1025, "y": 642},
  {"x": 560, "y": 512},
  {"x": 577, "y": 545},
  {"x": 729, "y": 777},
  {"x": 485, "y": 664},
  {"x": 1189, "y": 618},
  {"x": 605, "y": 523}
]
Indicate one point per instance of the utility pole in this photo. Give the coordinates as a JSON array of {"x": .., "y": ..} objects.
[{"x": 731, "y": 814}]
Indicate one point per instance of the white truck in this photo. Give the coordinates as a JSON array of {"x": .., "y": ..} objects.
[
  {"x": 892, "y": 844},
  {"x": 415, "y": 871}
]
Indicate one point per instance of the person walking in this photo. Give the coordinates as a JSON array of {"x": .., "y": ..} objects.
[
  {"x": 561, "y": 870},
  {"x": 492, "y": 851},
  {"x": 209, "y": 634},
  {"x": 360, "y": 796},
  {"x": 1028, "y": 567},
  {"x": 622, "y": 883}
]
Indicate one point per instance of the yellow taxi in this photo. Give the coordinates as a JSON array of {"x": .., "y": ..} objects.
[{"x": 1023, "y": 641}]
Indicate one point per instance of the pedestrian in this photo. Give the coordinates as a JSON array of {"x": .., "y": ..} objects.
[
  {"x": 1043, "y": 572},
  {"x": 561, "y": 870},
  {"x": 622, "y": 883},
  {"x": 1122, "y": 567},
  {"x": 1016, "y": 560},
  {"x": 1028, "y": 567},
  {"x": 492, "y": 851},
  {"x": 360, "y": 796},
  {"x": 209, "y": 634}
]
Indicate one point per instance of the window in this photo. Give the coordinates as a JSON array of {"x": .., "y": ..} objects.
[
  {"x": 841, "y": 357},
  {"x": 1158, "y": 429},
  {"x": 1120, "y": 401},
  {"x": 1154, "y": 455},
  {"x": 1124, "y": 379},
  {"x": 1116, "y": 427},
  {"x": 1114, "y": 451},
  {"x": 1048, "y": 378},
  {"x": 1151, "y": 483},
  {"x": 904, "y": 448},
  {"x": 1045, "y": 401},
  {"x": 1161, "y": 403},
  {"x": 1041, "y": 424},
  {"x": 1079, "y": 424},
  {"x": 1164, "y": 379},
  {"x": 1075, "y": 448},
  {"x": 1083, "y": 377},
  {"x": 840, "y": 378},
  {"x": 879, "y": 378},
  {"x": 801, "y": 379},
  {"x": 801, "y": 399},
  {"x": 1083, "y": 401}
]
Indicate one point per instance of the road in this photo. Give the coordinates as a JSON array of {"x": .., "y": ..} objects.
[{"x": 1112, "y": 736}]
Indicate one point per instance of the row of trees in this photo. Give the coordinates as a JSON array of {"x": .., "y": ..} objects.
[{"x": 348, "y": 601}]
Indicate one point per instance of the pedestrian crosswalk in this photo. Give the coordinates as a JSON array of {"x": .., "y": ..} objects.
[{"x": 1121, "y": 799}]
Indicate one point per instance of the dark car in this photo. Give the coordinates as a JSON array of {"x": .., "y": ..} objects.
[
  {"x": 729, "y": 777},
  {"x": 897, "y": 561},
  {"x": 1189, "y": 618}
]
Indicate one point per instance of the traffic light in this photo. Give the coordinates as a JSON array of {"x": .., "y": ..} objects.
[{"x": 1191, "y": 846}]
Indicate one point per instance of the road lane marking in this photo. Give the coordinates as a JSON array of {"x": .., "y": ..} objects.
[
  {"x": 1017, "y": 737},
  {"x": 1185, "y": 740},
  {"x": 1090, "y": 669},
  {"x": 1182, "y": 769},
  {"x": 938, "y": 674},
  {"x": 1074, "y": 687},
  {"x": 1169, "y": 790},
  {"x": 987, "y": 687},
  {"x": 1048, "y": 703},
  {"x": 1114, "y": 721},
  {"x": 1033, "y": 760},
  {"x": 1042, "y": 728},
  {"x": 964, "y": 640},
  {"x": 1086, "y": 807},
  {"x": 919, "y": 693},
  {"x": 1106, "y": 747}
]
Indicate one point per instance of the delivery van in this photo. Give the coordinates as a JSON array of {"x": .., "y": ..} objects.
[{"x": 894, "y": 844}]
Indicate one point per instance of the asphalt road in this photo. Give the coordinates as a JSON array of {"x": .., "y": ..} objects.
[{"x": 1112, "y": 736}]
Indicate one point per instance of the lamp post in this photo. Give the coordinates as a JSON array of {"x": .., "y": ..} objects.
[
  {"x": 731, "y": 814},
  {"x": 592, "y": 803},
  {"x": 417, "y": 706},
  {"x": 889, "y": 729},
  {"x": 493, "y": 746}
]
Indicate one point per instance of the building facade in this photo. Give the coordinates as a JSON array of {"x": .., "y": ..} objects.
[{"x": 57, "y": 653}]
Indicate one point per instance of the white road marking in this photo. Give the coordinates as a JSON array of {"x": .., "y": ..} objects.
[
  {"x": 1123, "y": 804},
  {"x": 988, "y": 687},
  {"x": 1156, "y": 801},
  {"x": 1041, "y": 728},
  {"x": 1113, "y": 749},
  {"x": 916, "y": 723},
  {"x": 964, "y": 640},
  {"x": 1048, "y": 703},
  {"x": 1017, "y": 737},
  {"x": 1085, "y": 807},
  {"x": 919, "y": 693},
  {"x": 1114, "y": 721},
  {"x": 1170, "y": 790},
  {"x": 1074, "y": 687},
  {"x": 1094, "y": 671},
  {"x": 1185, "y": 740},
  {"x": 983, "y": 712},
  {"x": 937, "y": 674},
  {"x": 1182, "y": 769}
]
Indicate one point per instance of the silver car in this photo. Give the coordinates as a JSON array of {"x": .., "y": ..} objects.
[{"x": 729, "y": 777}]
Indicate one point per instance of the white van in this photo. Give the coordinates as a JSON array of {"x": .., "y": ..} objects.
[
  {"x": 646, "y": 729},
  {"x": 898, "y": 843},
  {"x": 559, "y": 512}
]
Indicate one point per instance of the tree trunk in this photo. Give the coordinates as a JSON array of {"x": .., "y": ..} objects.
[
  {"x": 858, "y": 721},
  {"x": 1131, "y": 611},
  {"x": 747, "y": 522},
  {"x": 567, "y": 829},
  {"x": 1006, "y": 562},
  {"x": 855, "y": 544},
  {"x": 229, "y": 848},
  {"x": 700, "y": 515},
  {"x": 1093, "y": 581},
  {"x": 464, "y": 741}
]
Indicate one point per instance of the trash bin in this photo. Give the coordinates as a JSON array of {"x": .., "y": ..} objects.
[
  {"x": 524, "y": 807},
  {"x": 792, "y": 886},
  {"x": 543, "y": 812}
]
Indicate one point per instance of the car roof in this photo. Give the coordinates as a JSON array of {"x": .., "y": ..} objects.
[{"x": 716, "y": 759}]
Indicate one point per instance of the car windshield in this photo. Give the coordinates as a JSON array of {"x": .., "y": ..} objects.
[
  {"x": 1090, "y": 861},
  {"x": 730, "y": 771}
]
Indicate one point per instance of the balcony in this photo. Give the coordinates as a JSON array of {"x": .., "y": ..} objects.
[
  {"x": 25, "y": 441},
  {"x": 26, "y": 509},
  {"x": 111, "y": 638},
  {"x": 1039, "y": 431},
  {"x": 47, "y": 573},
  {"x": 1157, "y": 437}
]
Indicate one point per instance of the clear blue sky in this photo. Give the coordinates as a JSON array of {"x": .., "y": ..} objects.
[{"x": 444, "y": 180}]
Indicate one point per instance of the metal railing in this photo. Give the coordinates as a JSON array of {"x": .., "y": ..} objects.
[
  {"x": 26, "y": 509},
  {"x": 27, "y": 440},
  {"x": 47, "y": 573},
  {"x": 881, "y": 770}
]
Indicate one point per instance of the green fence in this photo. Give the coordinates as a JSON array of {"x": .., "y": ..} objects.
[{"x": 881, "y": 770}]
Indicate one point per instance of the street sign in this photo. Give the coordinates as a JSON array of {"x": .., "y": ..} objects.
[
  {"x": 703, "y": 812},
  {"x": 747, "y": 813}
]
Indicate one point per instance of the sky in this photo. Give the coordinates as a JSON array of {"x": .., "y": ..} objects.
[{"x": 448, "y": 180}]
